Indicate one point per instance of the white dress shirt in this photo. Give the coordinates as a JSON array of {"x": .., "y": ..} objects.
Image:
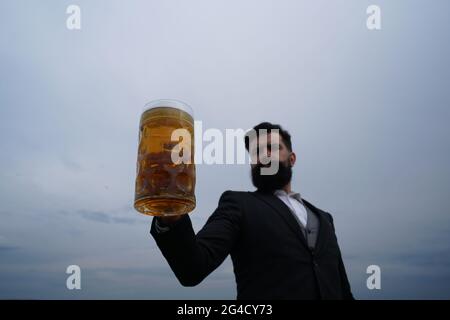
[{"x": 294, "y": 201}]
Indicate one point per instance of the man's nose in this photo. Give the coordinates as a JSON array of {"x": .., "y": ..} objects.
[{"x": 264, "y": 161}]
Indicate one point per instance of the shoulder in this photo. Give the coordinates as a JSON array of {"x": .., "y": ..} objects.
[
  {"x": 230, "y": 203},
  {"x": 238, "y": 198},
  {"x": 234, "y": 194}
]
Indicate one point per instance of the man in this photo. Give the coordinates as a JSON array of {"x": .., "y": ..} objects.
[{"x": 281, "y": 246}]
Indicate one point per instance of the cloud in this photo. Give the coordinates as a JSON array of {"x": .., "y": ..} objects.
[
  {"x": 102, "y": 217},
  {"x": 4, "y": 248}
]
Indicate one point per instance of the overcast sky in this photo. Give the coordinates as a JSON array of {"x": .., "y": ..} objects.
[{"x": 368, "y": 112}]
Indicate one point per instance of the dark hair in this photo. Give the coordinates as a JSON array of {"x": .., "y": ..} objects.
[{"x": 269, "y": 126}]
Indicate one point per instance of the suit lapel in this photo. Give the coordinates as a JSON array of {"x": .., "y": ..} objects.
[{"x": 280, "y": 207}]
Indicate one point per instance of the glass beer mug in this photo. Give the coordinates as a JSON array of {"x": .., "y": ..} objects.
[{"x": 165, "y": 187}]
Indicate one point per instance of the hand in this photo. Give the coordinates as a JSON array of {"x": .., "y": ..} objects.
[{"x": 168, "y": 220}]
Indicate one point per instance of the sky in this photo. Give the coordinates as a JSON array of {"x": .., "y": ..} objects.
[{"x": 368, "y": 112}]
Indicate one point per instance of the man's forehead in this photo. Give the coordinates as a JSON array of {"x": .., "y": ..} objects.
[{"x": 266, "y": 138}]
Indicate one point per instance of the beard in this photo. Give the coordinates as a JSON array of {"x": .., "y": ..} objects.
[{"x": 270, "y": 183}]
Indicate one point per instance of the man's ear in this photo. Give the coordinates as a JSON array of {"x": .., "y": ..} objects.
[{"x": 292, "y": 158}]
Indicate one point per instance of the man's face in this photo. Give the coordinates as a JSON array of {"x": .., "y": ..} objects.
[
  {"x": 269, "y": 147},
  {"x": 272, "y": 162}
]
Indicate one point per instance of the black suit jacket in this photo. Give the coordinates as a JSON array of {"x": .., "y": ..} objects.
[{"x": 271, "y": 259}]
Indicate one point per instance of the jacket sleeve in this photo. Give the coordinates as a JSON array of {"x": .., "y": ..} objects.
[
  {"x": 347, "y": 292},
  {"x": 192, "y": 257}
]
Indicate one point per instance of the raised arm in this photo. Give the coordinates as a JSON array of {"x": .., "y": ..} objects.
[{"x": 192, "y": 257}]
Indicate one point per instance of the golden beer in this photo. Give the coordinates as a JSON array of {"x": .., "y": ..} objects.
[{"x": 164, "y": 188}]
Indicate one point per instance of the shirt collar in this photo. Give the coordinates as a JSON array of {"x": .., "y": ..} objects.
[{"x": 292, "y": 194}]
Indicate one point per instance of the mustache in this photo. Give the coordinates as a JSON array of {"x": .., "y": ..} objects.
[
  {"x": 261, "y": 165},
  {"x": 264, "y": 165}
]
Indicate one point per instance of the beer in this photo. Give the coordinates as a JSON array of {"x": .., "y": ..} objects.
[{"x": 164, "y": 187}]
